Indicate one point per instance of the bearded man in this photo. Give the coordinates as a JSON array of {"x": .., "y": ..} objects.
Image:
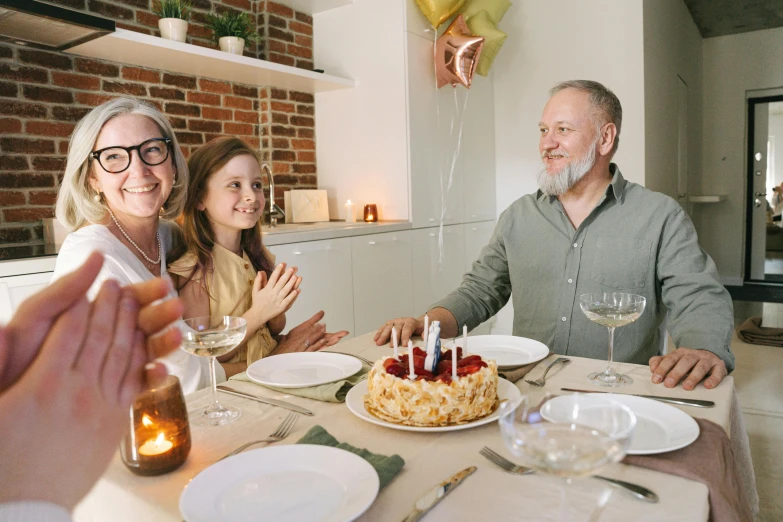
[{"x": 586, "y": 230}]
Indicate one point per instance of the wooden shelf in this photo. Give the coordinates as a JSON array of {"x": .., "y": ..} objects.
[
  {"x": 315, "y": 6},
  {"x": 707, "y": 199},
  {"x": 132, "y": 48}
]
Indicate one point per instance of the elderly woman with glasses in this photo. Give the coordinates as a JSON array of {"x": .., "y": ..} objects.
[{"x": 125, "y": 178}]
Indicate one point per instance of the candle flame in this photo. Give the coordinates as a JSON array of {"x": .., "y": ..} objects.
[
  {"x": 159, "y": 440},
  {"x": 146, "y": 421}
]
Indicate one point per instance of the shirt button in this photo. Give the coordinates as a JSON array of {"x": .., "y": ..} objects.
[
  {"x": 576, "y": 245},
  {"x": 563, "y": 319},
  {"x": 570, "y": 281},
  {"x": 247, "y": 266},
  {"x": 250, "y": 281}
]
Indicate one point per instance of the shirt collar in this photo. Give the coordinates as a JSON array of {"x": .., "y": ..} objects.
[{"x": 615, "y": 188}]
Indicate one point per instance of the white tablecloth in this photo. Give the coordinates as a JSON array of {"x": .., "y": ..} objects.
[{"x": 490, "y": 494}]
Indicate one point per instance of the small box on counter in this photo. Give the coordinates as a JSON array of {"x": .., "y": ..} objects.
[
  {"x": 54, "y": 232},
  {"x": 306, "y": 206}
]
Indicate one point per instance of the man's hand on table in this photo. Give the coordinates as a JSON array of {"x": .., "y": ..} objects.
[
  {"x": 695, "y": 364},
  {"x": 406, "y": 327}
]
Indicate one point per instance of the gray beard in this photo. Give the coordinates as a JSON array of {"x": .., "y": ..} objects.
[{"x": 561, "y": 182}]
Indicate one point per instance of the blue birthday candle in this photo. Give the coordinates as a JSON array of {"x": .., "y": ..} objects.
[{"x": 433, "y": 347}]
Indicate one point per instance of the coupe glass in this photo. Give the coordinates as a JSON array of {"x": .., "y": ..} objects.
[
  {"x": 212, "y": 337},
  {"x": 611, "y": 310},
  {"x": 569, "y": 437}
]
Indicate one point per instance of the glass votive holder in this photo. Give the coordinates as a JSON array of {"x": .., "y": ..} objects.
[
  {"x": 371, "y": 213},
  {"x": 158, "y": 440}
]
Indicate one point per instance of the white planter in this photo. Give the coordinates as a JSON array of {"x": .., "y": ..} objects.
[
  {"x": 232, "y": 44},
  {"x": 173, "y": 29}
]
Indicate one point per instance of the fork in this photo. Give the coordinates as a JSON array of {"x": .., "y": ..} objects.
[
  {"x": 279, "y": 434},
  {"x": 636, "y": 490},
  {"x": 542, "y": 380},
  {"x": 364, "y": 360}
]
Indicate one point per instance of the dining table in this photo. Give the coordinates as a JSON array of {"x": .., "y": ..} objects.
[{"x": 489, "y": 494}]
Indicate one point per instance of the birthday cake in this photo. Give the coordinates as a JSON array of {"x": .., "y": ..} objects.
[{"x": 438, "y": 393}]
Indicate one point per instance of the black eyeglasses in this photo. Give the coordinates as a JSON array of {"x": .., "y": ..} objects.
[{"x": 117, "y": 159}]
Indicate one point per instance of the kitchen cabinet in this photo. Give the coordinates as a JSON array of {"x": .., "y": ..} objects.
[
  {"x": 325, "y": 267},
  {"x": 382, "y": 279},
  {"x": 15, "y": 289},
  {"x": 433, "y": 277}
]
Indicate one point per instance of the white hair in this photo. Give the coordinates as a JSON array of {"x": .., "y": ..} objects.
[
  {"x": 561, "y": 182},
  {"x": 75, "y": 204}
]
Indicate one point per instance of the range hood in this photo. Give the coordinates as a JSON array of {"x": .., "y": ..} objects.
[{"x": 47, "y": 26}]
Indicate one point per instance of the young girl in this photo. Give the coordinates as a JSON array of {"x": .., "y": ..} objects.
[{"x": 225, "y": 269}]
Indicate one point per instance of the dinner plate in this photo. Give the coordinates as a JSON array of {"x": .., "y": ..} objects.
[
  {"x": 355, "y": 402},
  {"x": 282, "y": 483},
  {"x": 508, "y": 351},
  {"x": 300, "y": 370},
  {"x": 659, "y": 427}
]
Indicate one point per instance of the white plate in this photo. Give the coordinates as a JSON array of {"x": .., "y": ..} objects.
[
  {"x": 282, "y": 483},
  {"x": 508, "y": 351},
  {"x": 355, "y": 402},
  {"x": 659, "y": 427},
  {"x": 300, "y": 370}
]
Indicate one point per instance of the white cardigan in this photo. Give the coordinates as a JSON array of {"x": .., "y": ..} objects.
[{"x": 124, "y": 267}]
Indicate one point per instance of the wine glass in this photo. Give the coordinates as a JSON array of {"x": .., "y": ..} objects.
[
  {"x": 569, "y": 437},
  {"x": 212, "y": 337},
  {"x": 611, "y": 310}
]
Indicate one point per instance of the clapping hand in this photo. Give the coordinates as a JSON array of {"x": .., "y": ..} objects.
[
  {"x": 71, "y": 370},
  {"x": 275, "y": 296},
  {"x": 310, "y": 336}
]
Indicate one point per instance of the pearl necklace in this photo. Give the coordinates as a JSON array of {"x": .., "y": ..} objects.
[{"x": 132, "y": 242}]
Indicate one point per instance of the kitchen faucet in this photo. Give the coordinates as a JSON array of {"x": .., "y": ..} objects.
[{"x": 275, "y": 212}]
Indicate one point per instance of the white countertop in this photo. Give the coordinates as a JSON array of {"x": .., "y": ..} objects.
[{"x": 298, "y": 232}]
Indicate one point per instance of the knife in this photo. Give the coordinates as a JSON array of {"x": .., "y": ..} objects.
[
  {"x": 436, "y": 494},
  {"x": 674, "y": 400},
  {"x": 272, "y": 402}
]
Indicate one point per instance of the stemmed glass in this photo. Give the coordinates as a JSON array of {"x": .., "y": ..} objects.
[
  {"x": 584, "y": 434},
  {"x": 212, "y": 337},
  {"x": 611, "y": 310}
]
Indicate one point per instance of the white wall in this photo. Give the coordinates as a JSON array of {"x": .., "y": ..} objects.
[
  {"x": 732, "y": 66},
  {"x": 672, "y": 47},
  {"x": 367, "y": 160},
  {"x": 555, "y": 40}
]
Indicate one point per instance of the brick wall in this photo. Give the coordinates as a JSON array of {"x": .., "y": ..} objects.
[{"x": 43, "y": 94}]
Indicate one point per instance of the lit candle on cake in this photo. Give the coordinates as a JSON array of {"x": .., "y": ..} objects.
[
  {"x": 465, "y": 340},
  {"x": 411, "y": 370},
  {"x": 453, "y": 359},
  {"x": 394, "y": 341}
]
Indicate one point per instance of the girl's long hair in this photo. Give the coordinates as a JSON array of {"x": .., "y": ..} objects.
[{"x": 199, "y": 237}]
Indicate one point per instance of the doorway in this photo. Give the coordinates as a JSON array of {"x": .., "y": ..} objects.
[{"x": 764, "y": 231}]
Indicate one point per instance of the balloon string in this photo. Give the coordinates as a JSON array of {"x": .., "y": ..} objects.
[{"x": 459, "y": 117}]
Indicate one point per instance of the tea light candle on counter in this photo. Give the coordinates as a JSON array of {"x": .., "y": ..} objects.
[
  {"x": 156, "y": 446},
  {"x": 350, "y": 212},
  {"x": 371, "y": 213}
]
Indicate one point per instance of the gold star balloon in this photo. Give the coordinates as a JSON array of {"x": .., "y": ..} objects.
[
  {"x": 456, "y": 54},
  {"x": 438, "y": 11}
]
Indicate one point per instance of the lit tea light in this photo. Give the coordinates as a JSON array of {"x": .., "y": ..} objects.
[
  {"x": 157, "y": 446},
  {"x": 370, "y": 213}
]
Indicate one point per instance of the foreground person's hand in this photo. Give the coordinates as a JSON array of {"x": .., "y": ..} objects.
[
  {"x": 36, "y": 315},
  {"x": 61, "y": 421},
  {"x": 310, "y": 336},
  {"x": 695, "y": 364}
]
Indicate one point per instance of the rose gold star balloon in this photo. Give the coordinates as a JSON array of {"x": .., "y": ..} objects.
[{"x": 456, "y": 54}]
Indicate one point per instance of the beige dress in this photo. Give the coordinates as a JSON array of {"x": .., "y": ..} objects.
[{"x": 230, "y": 288}]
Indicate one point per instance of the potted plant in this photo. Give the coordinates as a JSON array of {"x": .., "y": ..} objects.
[
  {"x": 231, "y": 30},
  {"x": 174, "y": 15}
]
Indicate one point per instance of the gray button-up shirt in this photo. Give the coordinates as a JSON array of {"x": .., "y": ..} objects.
[{"x": 634, "y": 241}]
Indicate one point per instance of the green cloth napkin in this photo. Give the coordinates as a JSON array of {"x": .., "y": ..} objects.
[
  {"x": 331, "y": 392},
  {"x": 387, "y": 467}
]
